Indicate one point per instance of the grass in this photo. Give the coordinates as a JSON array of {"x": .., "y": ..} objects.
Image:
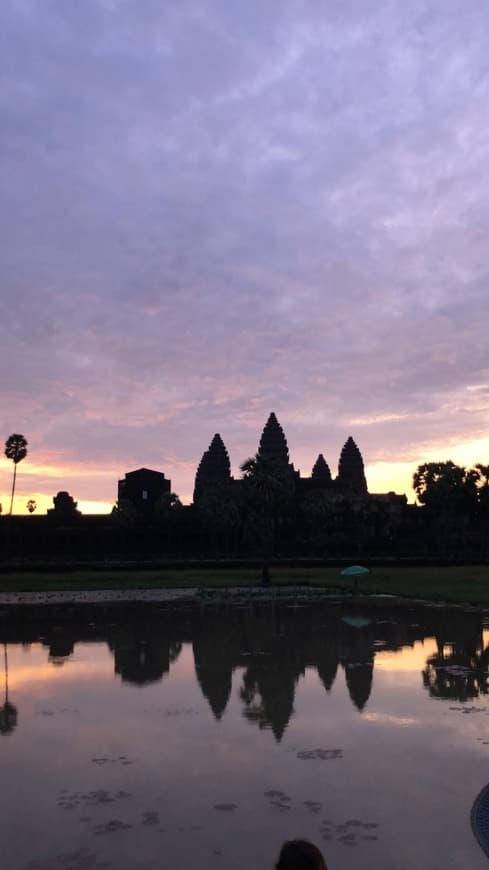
[{"x": 448, "y": 583}]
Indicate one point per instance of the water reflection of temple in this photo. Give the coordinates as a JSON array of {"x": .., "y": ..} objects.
[
  {"x": 142, "y": 658},
  {"x": 273, "y": 661},
  {"x": 356, "y": 653},
  {"x": 215, "y": 646},
  {"x": 267, "y": 646}
]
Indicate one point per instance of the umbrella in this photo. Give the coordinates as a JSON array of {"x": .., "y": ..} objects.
[
  {"x": 356, "y": 621},
  {"x": 354, "y": 571}
]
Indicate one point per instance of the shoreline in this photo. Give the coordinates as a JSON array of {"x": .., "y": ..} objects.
[
  {"x": 298, "y": 596},
  {"x": 465, "y": 584}
]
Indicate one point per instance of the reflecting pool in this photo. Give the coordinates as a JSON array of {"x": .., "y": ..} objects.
[{"x": 148, "y": 736}]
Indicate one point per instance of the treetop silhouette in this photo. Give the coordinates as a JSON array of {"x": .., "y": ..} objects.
[{"x": 445, "y": 485}]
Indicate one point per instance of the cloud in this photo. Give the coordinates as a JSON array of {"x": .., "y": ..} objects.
[{"x": 211, "y": 211}]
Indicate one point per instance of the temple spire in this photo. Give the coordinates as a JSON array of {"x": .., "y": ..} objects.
[
  {"x": 351, "y": 473},
  {"x": 273, "y": 444},
  {"x": 214, "y": 468},
  {"x": 320, "y": 470}
]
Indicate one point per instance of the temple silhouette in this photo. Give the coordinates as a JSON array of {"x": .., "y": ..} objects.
[
  {"x": 309, "y": 516},
  {"x": 144, "y": 487},
  {"x": 214, "y": 470}
]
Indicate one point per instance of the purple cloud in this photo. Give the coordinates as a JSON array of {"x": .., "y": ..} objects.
[{"x": 214, "y": 210}]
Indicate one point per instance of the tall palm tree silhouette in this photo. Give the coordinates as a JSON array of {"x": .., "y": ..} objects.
[
  {"x": 16, "y": 450},
  {"x": 8, "y": 713},
  {"x": 269, "y": 486}
]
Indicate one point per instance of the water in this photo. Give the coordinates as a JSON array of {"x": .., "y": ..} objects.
[{"x": 140, "y": 737}]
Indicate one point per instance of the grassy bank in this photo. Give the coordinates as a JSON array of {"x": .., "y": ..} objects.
[{"x": 457, "y": 584}]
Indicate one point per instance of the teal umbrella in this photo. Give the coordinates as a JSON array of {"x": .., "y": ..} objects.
[
  {"x": 356, "y": 621},
  {"x": 354, "y": 571}
]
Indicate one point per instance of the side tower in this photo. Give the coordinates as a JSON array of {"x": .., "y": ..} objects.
[
  {"x": 214, "y": 468},
  {"x": 321, "y": 475},
  {"x": 351, "y": 474}
]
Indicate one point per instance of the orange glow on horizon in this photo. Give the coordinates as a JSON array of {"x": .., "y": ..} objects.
[
  {"x": 407, "y": 658},
  {"x": 398, "y": 476},
  {"x": 44, "y": 502}
]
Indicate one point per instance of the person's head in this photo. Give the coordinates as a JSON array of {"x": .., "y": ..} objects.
[{"x": 300, "y": 855}]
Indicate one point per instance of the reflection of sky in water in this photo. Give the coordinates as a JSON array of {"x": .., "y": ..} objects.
[{"x": 104, "y": 772}]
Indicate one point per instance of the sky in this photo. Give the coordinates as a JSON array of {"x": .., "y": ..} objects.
[{"x": 214, "y": 209}]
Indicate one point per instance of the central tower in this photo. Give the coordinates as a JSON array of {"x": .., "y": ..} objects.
[{"x": 273, "y": 443}]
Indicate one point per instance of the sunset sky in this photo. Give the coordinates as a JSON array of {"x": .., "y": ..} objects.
[{"x": 212, "y": 209}]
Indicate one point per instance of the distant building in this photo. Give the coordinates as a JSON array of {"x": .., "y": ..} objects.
[
  {"x": 142, "y": 488},
  {"x": 65, "y": 507}
]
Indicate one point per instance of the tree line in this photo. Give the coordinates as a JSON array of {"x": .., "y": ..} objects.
[{"x": 445, "y": 486}]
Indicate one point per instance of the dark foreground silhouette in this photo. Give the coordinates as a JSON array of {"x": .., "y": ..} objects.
[{"x": 300, "y": 855}]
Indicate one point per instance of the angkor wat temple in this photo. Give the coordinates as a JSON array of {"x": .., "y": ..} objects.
[
  {"x": 315, "y": 516},
  {"x": 214, "y": 470}
]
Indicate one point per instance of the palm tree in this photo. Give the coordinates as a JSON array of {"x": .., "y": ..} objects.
[
  {"x": 483, "y": 484},
  {"x": 269, "y": 486},
  {"x": 166, "y": 512},
  {"x": 483, "y": 505},
  {"x": 16, "y": 450}
]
